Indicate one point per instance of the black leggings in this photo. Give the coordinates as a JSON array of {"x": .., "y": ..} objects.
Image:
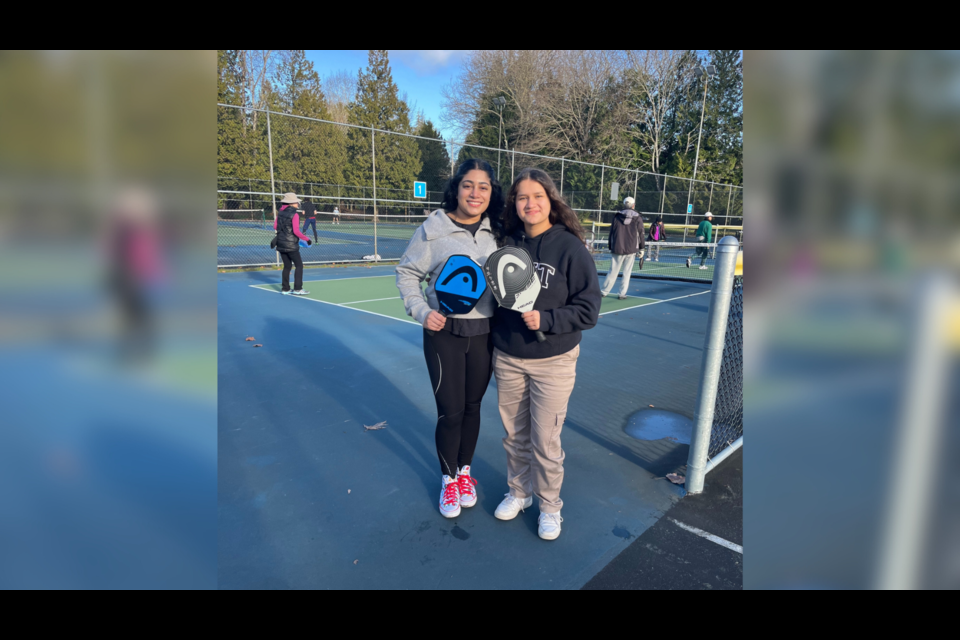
[
  {"x": 460, "y": 370},
  {"x": 292, "y": 258}
]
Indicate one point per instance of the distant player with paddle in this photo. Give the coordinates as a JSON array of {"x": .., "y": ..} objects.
[
  {"x": 448, "y": 250},
  {"x": 535, "y": 378}
]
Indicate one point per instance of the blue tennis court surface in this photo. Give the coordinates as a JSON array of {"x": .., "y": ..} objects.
[{"x": 310, "y": 499}]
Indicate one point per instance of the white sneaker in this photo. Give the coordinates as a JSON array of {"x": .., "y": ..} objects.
[
  {"x": 450, "y": 497},
  {"x": 300, "y": 292},
  {"x": 510, "y": 507},
  {"x": 468, "y": 492},
  {"x": 549, "y": 526},
  {"x": 703, "y": 268}
]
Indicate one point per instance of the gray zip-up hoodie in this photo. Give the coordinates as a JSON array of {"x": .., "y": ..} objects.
[{"x": 437, "y": 239}]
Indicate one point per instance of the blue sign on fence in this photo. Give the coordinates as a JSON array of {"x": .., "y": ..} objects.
[
  {"x": 689, "y": 208},
  {"x": 419, "y": 189}
]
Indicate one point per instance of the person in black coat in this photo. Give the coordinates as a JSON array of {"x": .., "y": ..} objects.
[
  {"x": 626, "y": 240},
  {"x": 287, "y": 226}
]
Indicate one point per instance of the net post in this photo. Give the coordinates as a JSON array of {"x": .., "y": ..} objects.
[{"x": 721, "y": 292}]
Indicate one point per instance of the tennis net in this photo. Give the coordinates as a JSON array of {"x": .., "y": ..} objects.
[
  {"x": 672, "y": 260},
  {"x": 242, "y": 218}
]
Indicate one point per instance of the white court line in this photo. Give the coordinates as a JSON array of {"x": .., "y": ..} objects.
[
  {"x": 373, "y": 300},
  {"x": 709, "y": 536},
  {"x": 334, "y": 304},
  {"x": 699, "y": 293},
  {"x": 264, "y": 286}
]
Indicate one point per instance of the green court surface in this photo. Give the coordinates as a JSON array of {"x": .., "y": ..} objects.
[
  {"x": 676, "y": 269},
  {"x": 379, "y": 295}
]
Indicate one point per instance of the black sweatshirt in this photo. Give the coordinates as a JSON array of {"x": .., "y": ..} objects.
[{"x": 568, "y": 302}]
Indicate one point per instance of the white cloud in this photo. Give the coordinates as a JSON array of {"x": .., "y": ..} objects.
[{"x": 428, "y": 61}]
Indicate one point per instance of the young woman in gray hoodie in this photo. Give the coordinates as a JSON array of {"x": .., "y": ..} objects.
[{"x": 457, "y": 348}]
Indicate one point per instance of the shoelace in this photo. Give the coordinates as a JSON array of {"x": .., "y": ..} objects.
[
  {"x": 451, "y": 493},
  {"x": 514, "y": 501},
  {"x": 551, "y": 518},
  {"x": 467, "y": 484}
]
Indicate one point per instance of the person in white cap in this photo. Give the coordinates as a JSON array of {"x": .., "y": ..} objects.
[
  {"x": 704, "y": 234},
  {"x": 625, "y": 241},
  {"x": 287, "y": 226}
]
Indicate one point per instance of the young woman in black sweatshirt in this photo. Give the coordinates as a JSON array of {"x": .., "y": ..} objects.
[{"x": 535, "y": 379}]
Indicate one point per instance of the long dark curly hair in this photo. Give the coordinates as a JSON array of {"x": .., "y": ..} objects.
[
  {"x": 450, "y": 201},
  {"x": 560, "y": 211}
]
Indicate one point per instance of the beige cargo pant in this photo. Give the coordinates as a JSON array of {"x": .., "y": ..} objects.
[{"x": 533, "y": 395}]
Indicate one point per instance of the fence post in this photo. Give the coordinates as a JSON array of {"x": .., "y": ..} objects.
[
  {"x": 373, "y": 153},
  {"x": 600, "y": 202},
  {"x": 273, "y": 188},
  {"x": 919, "y": 437},
  {"x": 513, "y": 158},
  {"x": 663, "y": 197},
  {"x": 561, "y": 177},
  {"x": 721, "y": 292}
]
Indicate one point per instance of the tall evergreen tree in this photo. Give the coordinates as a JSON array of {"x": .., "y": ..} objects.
[
  {"x": 436, "y": 161},
  {"x": 242, "y": 149},
  {"x": 378, "y": 105},
  {"x": 299, "y": 145},
  {"x": 230, "y": 152},
  {"x": 723, "y": 121}
]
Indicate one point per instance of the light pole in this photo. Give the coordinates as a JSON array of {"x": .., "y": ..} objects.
[
  {"x": 709, "y": 71},
  {"x": 501, "y": 102}
]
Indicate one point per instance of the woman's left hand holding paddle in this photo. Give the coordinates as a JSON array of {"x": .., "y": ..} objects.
[{"x": 532, "y": 318}]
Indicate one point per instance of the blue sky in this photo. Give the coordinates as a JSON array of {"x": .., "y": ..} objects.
[{"x": 420, "y": 74}]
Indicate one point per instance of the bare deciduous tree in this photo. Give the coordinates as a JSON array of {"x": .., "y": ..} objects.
[
  {"x": 658, "y": 82},
  {"x": 340, "y": 89},
  {"x": 521, "y": 76},
  {"x": 258, "y": 67},
  {"x": 581, "y": 114}
]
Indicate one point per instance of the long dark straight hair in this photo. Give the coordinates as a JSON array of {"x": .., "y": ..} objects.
[
  {"x": 450, "y": 201},
  {"x": 560, "y": 211}
]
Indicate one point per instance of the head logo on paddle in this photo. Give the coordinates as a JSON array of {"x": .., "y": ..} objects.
[
  {"x": 513, "y": 280},
  {"x": 459, "y": 286}
]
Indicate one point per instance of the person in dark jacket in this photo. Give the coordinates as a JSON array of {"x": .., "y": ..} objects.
[
  {"x": 310, "y": 219},
  {"x": 287, "y": 226},
  {"x": 626, "y": 239},
  {"x": 535, "y": 379}
]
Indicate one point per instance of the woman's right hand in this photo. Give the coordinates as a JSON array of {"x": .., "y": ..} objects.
[{"x": 434, "y": 321}]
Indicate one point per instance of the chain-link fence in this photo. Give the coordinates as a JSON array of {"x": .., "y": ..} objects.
[
  {"x": 362, "y": 183},
  {"x": 728, "y": 414}
]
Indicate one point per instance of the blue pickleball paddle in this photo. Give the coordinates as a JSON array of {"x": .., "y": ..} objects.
[{"x": 459, "y": 286}]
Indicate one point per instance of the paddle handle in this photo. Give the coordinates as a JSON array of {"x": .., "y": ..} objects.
[
  {"x": 540, "y": 336},
  {"x": 433, "y": 333}
]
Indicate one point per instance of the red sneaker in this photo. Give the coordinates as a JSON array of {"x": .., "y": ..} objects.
[
  {"x": 450, "y": 498},
  {"x": 468, "y": 494}
]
